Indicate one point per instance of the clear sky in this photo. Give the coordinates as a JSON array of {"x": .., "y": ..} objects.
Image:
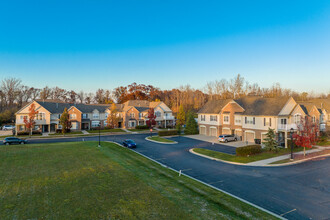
[{"x": 104, "y": 44}]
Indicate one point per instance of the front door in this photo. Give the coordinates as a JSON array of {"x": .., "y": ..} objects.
[{"x": 45, "y": 128}]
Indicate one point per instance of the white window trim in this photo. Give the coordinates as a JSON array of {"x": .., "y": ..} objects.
[{"x": 226, "y": 122}]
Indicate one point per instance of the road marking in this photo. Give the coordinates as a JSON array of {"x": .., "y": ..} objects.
[
  {"x": 288, "y": 212},
  {"x": 160, "y": 158}
]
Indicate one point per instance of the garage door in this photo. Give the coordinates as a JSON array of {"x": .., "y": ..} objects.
[
  {"x": 226, "y": 131},
  {"x": 202, "y": 130},
  {"x": 249, "y": 137},
  {"x": 239, "y": 134},
  {"x": 213, "y": 132}
]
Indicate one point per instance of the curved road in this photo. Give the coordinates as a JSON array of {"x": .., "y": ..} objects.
[{"x": 299, "y": 191}]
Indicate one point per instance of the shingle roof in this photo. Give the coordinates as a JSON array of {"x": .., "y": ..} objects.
[
  {"x": 320, "y": 103},
  {"x": 213, "y": 106},
  {"x": 58, "y": 107},
  {"x": 261, "y": 106}
]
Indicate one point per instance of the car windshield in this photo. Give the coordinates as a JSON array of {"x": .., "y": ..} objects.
[
  {"x": 130, "y": 141},
  {"x": 221, "y": 136}
]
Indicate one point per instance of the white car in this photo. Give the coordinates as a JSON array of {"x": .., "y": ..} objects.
[
  {"x": 8, "y": 127},
  {"x": 225, "y": 138}
]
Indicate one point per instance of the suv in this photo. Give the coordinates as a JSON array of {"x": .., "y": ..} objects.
[
  {"x": 227, "y": 137},
  {"x": 8, "y": 127},
  {"x": 13, "y": 140}
]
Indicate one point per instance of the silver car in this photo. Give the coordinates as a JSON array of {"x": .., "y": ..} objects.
[
  {"x": 8, "y": 127},
  {"x": 227, "y": 137}
]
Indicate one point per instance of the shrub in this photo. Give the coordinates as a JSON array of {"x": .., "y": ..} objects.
[
  {"x": 142, "y": 127},
  {"x": 60, "y": 131},
  {"x": 248, "y": 150},
  {"x": 167, "y": 133},
  {"x": 36, "y": 132},
  {"x": 23, "y": 133}
]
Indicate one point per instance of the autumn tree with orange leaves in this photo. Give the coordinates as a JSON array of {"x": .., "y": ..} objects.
[{"x": 30, "y": 120}]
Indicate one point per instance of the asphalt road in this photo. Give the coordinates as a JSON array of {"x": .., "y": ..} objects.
[{"x": 301, "y": 191}]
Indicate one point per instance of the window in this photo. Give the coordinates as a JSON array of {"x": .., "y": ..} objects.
[
  {"x": 84, "y": 116},
  {"x": 105, "y": 123},
  {"x": 297, "y": 118},
  {"x": 237, "y": 119},
  {"x": 40, "y": 116},
  {"x": 249, "y": 120},
  {"x": 254, "y": 120},
  {"x": 22, "y": 117},
  {"x": 158, "y": 114},
  {"x": 226, "y": 119},
  {"x": 73, "y": 116},
  {"x": 202, "y": 117},
  {"x": 140, "y": 115},
  {"x": 106, "y": 115},
  {"x": 95, "y": 115},
  {"x": 95, "y": 124},
  {"x": 283, "y": 121},
  {"x": 132, "y": 115},
  {"x": 313, "y": 119},
  {"x": 74, "y": 125},
  {"x": 270, "y": 121},
  {"x": 213, "y": 118}
]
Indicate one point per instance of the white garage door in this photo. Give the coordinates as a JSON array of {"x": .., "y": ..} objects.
[
  {"x": 226, "y": 131},
  {"x": 249, "y": 136},
  {"x": 202, "y": 130},
  {"x": 213, "y": 132}
]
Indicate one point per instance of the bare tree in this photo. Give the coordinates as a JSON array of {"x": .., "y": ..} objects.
[
  {"x": 236, "y": 86},
  {"x": 10, "y": 87}
]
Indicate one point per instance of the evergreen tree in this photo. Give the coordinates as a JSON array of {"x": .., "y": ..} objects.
[
  {"x": 191, "y": 125},
  {"x": 65, "y": 121},
  {"x": 270, "y": 141}
]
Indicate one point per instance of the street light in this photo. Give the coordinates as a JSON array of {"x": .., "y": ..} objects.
[
  {"x": 99, "y": 134},
  {"x": 291, "y": 134}
]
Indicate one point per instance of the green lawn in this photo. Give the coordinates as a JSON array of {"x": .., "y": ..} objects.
[
  {"x": 72, "y": 132},
  {"x": 106, "y": 130},
  {"x": 134, "y": 129},
  {"x": 239, "y": 159},
  {"x": 325, "y": 143},
  {"x": 81, "y": 181},
  {"x": 160, "y": 139}
]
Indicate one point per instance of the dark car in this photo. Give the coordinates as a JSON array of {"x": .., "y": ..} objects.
[
  {"x": 13, "y": 140},
  {"x": 129, "y": 143}
]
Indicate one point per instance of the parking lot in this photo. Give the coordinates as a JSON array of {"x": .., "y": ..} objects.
[{"x": 212, "y": 139}]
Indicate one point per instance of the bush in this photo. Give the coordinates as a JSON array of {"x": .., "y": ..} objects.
[
  {"x": 60, "y": 131},
  {"x": 23, "y": 133},
  {"x": 36, "y": 132},
  {"x": 248, "y": 150},
  {"x": 142, "y": 127},
  {"x": 168, "y": 133}
]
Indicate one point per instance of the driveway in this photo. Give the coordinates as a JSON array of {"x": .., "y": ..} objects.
[
  {"x": 5, "y": 133},
  {"x": 299, "y": 191},
  {"x": 212, "y": 139}
]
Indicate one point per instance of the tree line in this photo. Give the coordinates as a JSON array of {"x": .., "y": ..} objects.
[{"x": 14, "y": 94}]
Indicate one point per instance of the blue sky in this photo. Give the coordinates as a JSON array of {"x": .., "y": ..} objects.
[{"x": 104, "y": 44}]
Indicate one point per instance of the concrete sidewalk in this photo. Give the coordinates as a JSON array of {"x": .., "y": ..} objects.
[{"x": 283, "y": 157}]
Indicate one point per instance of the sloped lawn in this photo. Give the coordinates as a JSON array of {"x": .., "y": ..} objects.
[{"x": 82, "y": 181}]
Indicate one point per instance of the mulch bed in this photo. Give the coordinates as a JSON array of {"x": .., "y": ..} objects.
[{"x": 301, "y": 156}]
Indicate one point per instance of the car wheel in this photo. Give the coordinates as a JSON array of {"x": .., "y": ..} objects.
[
  {"x": 22, "y": 142},
  {"x": 226, "y": 141},
  {"x": 7, "y": 143},
  {"x": 235, "y": 139}
]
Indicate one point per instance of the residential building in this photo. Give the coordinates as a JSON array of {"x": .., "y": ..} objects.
[
  {"x": 249, "y": 118},
  {"x": 89, "y": 116}
]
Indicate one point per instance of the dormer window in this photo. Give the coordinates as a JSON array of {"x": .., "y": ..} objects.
[
  {"x": 95, "y": 115},
  {"x": 158, "y": 114}
]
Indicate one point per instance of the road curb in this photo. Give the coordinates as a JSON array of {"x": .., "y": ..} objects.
[
  {"x": 213, "y": 187},
  {"x": 158, "y": 142},
  {"x": 249, "y": 165}
]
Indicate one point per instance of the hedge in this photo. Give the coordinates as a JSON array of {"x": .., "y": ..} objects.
[
  {"x": 28, "y": 133},
  {"x": 60, "y": 131},
  {"x": 167, "y": 133},
  {"x": 141, "y": 127},
  {"x": 248, "y": 150}
]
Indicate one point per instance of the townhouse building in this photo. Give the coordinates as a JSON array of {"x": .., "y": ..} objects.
[
  {"x": 249, "y": 118},
  {"x": 89, "y": 116}
]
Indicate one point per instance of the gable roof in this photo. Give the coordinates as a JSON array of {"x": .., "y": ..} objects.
[
  {"x": 58, "y": 107},
  {"x": 261, "y": 106},
  {"x": 214, "y": 106}
]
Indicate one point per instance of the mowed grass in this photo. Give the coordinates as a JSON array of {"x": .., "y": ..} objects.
[
  {"x": 82, "y": 181},
  {"x": 106, "y": 130},
  {"x": 160, "y": 139},
  {"x": 239, "y": 159}
]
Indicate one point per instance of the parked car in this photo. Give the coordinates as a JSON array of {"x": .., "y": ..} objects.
[
  {"x": 8, "y": 127},
  {"x": 129, "y": 143},
  {"x": 13, "y": 140},
  {"x": 227, "y": 137}
]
